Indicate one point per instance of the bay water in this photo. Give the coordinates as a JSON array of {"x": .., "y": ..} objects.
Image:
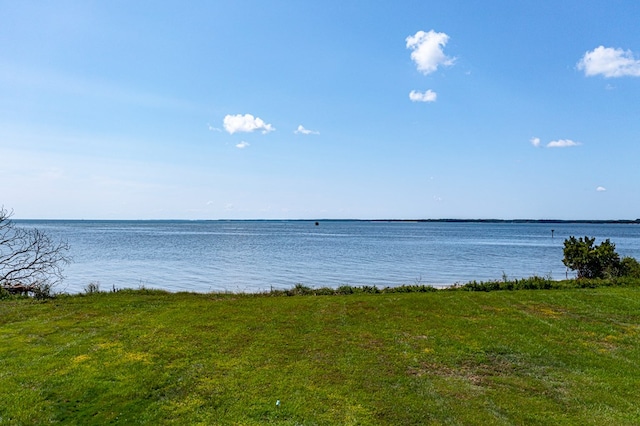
[{"x": 255, "y": 256}]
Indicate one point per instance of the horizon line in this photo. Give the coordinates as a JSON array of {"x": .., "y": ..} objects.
[{"x": 423, "y": 220}]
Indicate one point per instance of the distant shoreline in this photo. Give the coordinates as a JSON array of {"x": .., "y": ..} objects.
[
  {"x": 594, "y": 221},
  {"x": 544, "y": 221}
]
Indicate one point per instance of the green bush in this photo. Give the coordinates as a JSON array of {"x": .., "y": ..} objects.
[
  {"x": 629, "y": 267},
  {"x": 532, "y": 283},
  {"x": 345, "y": 289},
  {"x": 591, "y": 261},
  {"x": 4, "y": 294},
  {"x": 416, "y": 288},
  {"x": 300, "y": 290},
  {"x": 324, "y": 291}
]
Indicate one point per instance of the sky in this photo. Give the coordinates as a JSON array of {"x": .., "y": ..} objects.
[{"x": 320, "y": 109}]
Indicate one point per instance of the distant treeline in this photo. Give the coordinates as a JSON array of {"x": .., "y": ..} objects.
[{"x": 621, "y": 221}]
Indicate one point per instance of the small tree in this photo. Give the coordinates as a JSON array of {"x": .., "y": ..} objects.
[
  {"x": 30, "y": 260},
  {"x": 629, "y": 267},
  {"x": 591, "y": 261}
]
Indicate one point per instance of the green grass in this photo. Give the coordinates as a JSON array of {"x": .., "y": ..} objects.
[{"x": 565, "y": 356}]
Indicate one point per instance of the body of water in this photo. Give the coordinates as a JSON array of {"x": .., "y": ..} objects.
[{"x": 252, "y": 256}]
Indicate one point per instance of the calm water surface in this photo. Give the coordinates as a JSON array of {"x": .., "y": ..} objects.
[{"x": 251, "y": 256}]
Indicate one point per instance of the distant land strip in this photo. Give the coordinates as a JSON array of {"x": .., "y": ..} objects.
[
  {"x": 318, "y": 221},
  {"x": 620, "y": 221}
]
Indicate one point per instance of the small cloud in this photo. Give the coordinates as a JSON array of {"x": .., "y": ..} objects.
[
  {"x": 303, "y": 131},
  {"x": 213, "y": 129},
  {"x": 428, "y": 96},
  {"x": 601, "y": 189},
  {"x": 242, "y": 145},
  {"x": 609, "y": 62},
  {"x": 229, "y": 206},
  {"x": 562, "y": 143},
  {"x": 245, "y": 123},
  {"x": 427, "y": 50}
]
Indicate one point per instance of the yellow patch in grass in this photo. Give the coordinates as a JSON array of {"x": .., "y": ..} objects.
[
  {"x": 80, "y": 358},
  {"x": 107, "y": 345},
  {"x": 135, "y": 356},
  {"x": 550, "y": 312}
]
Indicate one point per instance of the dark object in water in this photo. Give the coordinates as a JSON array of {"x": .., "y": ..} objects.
[{"x": 19, "y": 289}]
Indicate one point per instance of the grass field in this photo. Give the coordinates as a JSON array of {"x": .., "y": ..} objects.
[{"x": 445, "y": 357}]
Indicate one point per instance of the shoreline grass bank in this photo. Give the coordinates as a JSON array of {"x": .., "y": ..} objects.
[{"x": 553, "y": 356}]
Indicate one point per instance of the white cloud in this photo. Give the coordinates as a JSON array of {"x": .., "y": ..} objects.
[
  {"x": 601, "y": 189},
  {"x": 427, "y": 50},
  {"x": 562, "y": 143},
  {"x": 213, "y": 129},
  {"x": 428, "y": 96},
  {"x": 303, "y": 131},
  {"x": 245, "y": 123},
  {"x": 242, "y": 145},
  {"x": 610, "y": 62}
]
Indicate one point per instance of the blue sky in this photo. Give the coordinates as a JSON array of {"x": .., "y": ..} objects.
[{"x": 320, "y": 109}]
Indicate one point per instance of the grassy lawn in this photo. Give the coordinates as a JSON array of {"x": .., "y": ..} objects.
[{"x": 145, "y": 357}]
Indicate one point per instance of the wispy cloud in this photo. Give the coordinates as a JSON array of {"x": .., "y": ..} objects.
[
  {"x": 562, "y": 143},
  {"x": 301, "y": 130},
  {"x": 610, "y": 62},
  {"x": 245, "y": 123},
  {"x": 428, "y": 96},
  {"x": 601, "y": 189},
  {"x": 242, "y": 145},
  {"x": 427, "y": 50},
  {"x": 213, "y": 129}
]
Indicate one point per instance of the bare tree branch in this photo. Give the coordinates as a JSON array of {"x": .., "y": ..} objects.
[{"x": 29, "y": 258}]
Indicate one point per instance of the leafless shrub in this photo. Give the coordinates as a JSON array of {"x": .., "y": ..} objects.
[{"x": 31, "y": 262}]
